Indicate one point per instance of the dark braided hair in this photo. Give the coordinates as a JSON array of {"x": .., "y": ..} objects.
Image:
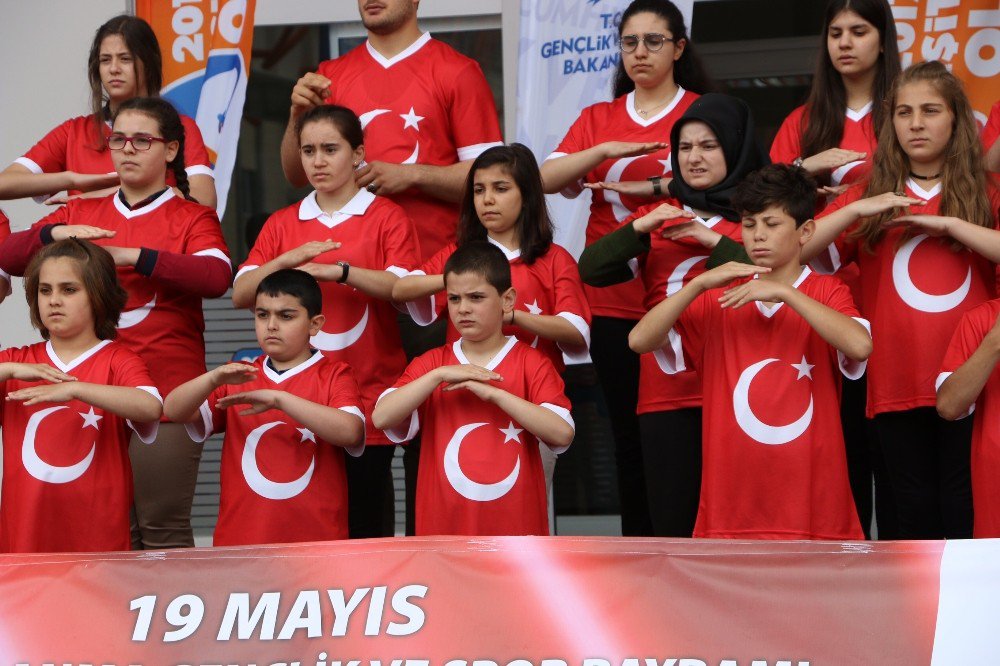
[{"x": 166, "y": 116}]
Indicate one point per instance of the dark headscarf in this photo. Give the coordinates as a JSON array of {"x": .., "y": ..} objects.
[{"x": 732, "y": 123}]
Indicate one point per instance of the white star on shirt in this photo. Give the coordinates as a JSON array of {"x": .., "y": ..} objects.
[
  {"x": 90, "y": 419},
  {"x": 666, "y": 165},
  {"x": 511, "y": 433},
  {"x": 306, "y": 435},
  {"x": 533, "y": 307},
  {"x": 804, "y": 368},
  {"x": 411, "y": 119}
]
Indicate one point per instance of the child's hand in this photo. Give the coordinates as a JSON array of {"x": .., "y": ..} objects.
[
  {"x": 260, "y": 400},
  {"x": 883, "y": 202},
  {"x": 323, "y": 272},
  {"x": 123, "y": 256},
  {"x": 307, "y": 252},
  {"x": 932, "y": 225},
  {"x": 755, "y": 290},
  {"x": 481, "y": 390},
  {"x": 655, "y": 218},
  {"x": 830, "y": 159},
  {"x": 696, "y": 230},
  {"x": 631, "y": 188},
  {"x": 81, "y": 231},
  {"x": 726, "y": 273},
  {"x": 614, "y": 149},
  {"x": 63, "y": 392},
  {"x": 455, "y": 374},
  {"x": 234, "y": 373},
  {"x": 36, "y": 372}
]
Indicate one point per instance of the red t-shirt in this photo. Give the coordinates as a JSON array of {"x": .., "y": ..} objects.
[
  {"x": 915, "y": 289},
  {"x": 360, "y": 330},
  {"x": 973, "y": 327},
  {"x": 67, "y": 481},
  {"x": 667, "y": 267},
  {"x": 70, "y": 147},
  {"x": 549, "y": 286},
  {"x": 773, "y": 449},
  {"x": 426, "y": 105},
  {"x": 162, "y": 324},
  {"x": 4, "y": 232},
  {"x": 859, "y": 135},
  {"x": 279, "y": 483},
  {"x": 991, "y": 131},
  {"x": 618, "y": 121},
  {"x": 480, "y": 472}
]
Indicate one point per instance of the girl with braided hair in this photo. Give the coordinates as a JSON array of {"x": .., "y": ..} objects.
[{"x": 170, "y": 254}]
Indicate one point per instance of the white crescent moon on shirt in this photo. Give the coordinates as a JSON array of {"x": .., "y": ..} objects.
[
  {"x": 260, "y": 484},
  {"x": 130, "y": 318},
  {"x": 674, "y": 284},
  {"x": 412, "y": 159},
  {"x": 837, "y": 175},
  {"x": 42, "y": 470},
  {"x": 676, "y": 279},
  {"x": 614, "y": 175},
  {"x": 914, "y": 297},
  {"x": 336, "y": 341},
  {"x": 463, "y": 485},
  {"x": 366, "y": 118},
  {"x": 754, "y": 427}
]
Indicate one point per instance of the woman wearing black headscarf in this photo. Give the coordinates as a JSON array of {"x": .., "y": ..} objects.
[{"x": 714, "y": 148}]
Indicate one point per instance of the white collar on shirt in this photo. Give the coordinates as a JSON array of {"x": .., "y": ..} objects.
[
  {"x": 510, "y": 254},
  {"x": 66, "y": 367},
  {"x": 646, "y": 122},
  {"x": 860, "y": 113},
  {"x": 710, "y": 222},
  {"x": 167, "y": 195},
  {"x": 402, "y": 55},
  {"x": 456, "y": 348},
  {"x": 926, "y": 195},
  {"x": 278, "y": 377},
  {"x": 358, "y": 205}
]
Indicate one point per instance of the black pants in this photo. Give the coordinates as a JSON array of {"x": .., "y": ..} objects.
[
  {"x": 370, "y": 497},
  {"x": 928, "y": 460},
  {"x": 671, "y": 454},
  {"x": 617, "y": 369}
]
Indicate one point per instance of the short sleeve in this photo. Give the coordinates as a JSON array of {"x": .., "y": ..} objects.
[
  {"x": 843, "y": 250},
  {"x": 426, "y": 311},
  {"x": 196, "y": 158},
  {"x": 4, "y": 276},
  {"x": 546, "y": 389},
  {"x": 991, "y": 132},
  {"x": 570, "y": 300},
  {"x": 204, "y": 236},
  {"x": 971, "y": 331},
  {"x": 211, "y": 419},
  {"x": 400, "y": 250},
  {"x": 686, "y": 340},
  {"x": 787, "y": 144},
  {"x": 837, "y": 296},
  {"x": 345, "y": 395},
  {"x": 580, "y": 135},
  {"x": 50, "y": 154},
  {"x": 473, "y": 114},
  {"x": 129, "y": 370},
  {"x": 418, "y": 367},
  {"x": 265, "y": 248}
]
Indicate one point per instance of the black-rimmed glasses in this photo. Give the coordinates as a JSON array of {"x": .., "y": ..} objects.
[{"x": 140, "y": 143}]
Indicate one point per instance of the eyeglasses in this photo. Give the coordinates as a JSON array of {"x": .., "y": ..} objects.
[
  {"x": 654, "y": 41},
  {"x": 118, "y": 141}
]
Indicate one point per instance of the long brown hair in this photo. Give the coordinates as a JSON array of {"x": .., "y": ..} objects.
[
  {"x": 963, "y": 179},
  {"x": 99, "y": 278},
  {"x": 146, "y": 59},
  {"x": 824, "y": 127}
]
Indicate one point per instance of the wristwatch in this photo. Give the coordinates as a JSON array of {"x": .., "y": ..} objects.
[
  {"x": 657, "y": 188},
  {"x": 797, "y": 162},
  {"x": 346, "y": 268}
]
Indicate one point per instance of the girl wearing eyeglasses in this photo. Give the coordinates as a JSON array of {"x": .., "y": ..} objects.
[
  {"x": 124, "y": 62},
  {"x": 658, "y": 78},
  {"x": 170, "y": 254}
]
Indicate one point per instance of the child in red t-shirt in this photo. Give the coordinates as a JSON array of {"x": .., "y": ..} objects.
[
  {"x": 288, "y": 417},
  {"x": 494, "y": 395}
]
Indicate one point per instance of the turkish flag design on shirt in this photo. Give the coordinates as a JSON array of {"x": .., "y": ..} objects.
[
  {"x": 160, "y": 323},
  {"x": 280, "y": 483},
  {"x": 913, "y": 288},
  {"x": 426, "y": 105},
  {"x": 70, "y": 147},
  {"x": 549, "y": 286},
  {"x": 972, "y": 329},
  {"x": 774, "y": 461},
  {"x": 859, "y": 136},
  {"x": 361, "y": 330},
  {"x": 67, "y": 481},
  {"x": 618, "y": 121},
  {"x": 481, "y": 471},
  {"x": 668, "y": 266}
]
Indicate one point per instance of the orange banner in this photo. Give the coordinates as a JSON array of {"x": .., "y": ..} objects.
[
  {"x": 206, "y": 62},
  {"x": 963, "y": 34}
]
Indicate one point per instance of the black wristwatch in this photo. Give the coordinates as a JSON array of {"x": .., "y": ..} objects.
[
  {"x": 657, "y": 187},
  {"x": 346, "y": 268}
]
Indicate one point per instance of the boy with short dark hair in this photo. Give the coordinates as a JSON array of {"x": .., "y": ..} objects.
[
  {"x": 283, "y": 476},
  {"x": 774, "y": 462},
  {"x": 493, "y": 395}
]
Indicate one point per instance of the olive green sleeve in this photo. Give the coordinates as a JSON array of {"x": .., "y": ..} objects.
[
  {"x": 727, "y": 250},
  {"x": 605, "y": 262}
]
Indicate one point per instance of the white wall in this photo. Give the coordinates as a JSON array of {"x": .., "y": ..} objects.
[{"x": 43, "y": 81}]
